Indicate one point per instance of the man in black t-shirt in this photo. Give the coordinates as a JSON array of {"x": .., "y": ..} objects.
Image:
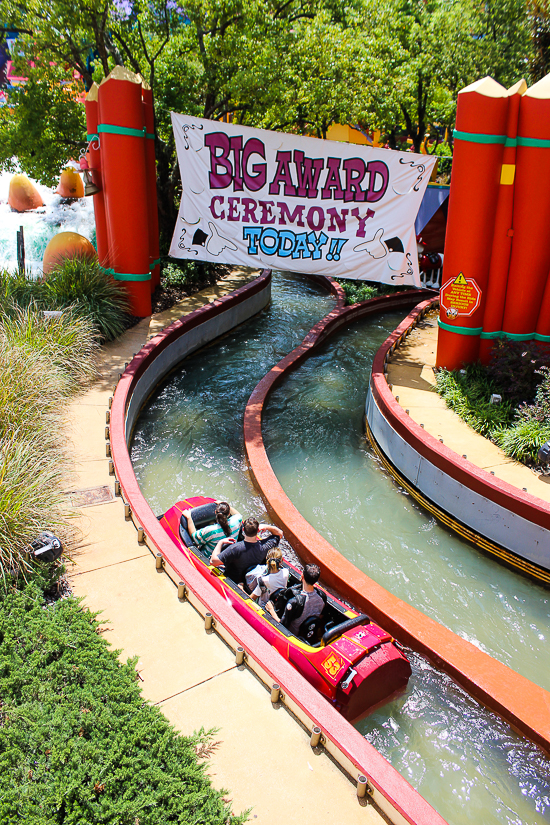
[{"x": 240, "y": 556}]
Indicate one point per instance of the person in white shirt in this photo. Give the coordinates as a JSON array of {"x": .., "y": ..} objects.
[{"x": 274, "y": 578}]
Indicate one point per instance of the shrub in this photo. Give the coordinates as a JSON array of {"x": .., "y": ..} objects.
[
  {"x": 76, "y": 283},
  {"x": 77, "y": 742},
  {"x": 188, "y": 274},
  {"x": 531, "y": 428},
  {"x": 468, "y": 394},
  {"x": 81, "y": 284},
  {"x": 357, "y": 291},
  {"x": 515, "y": 368}
]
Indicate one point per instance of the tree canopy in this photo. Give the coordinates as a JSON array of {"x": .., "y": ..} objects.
[{"x": 293, "y": 65}]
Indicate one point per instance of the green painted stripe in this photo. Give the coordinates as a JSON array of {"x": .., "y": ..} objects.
[
  {"x": 460, "y": 330},
  {"x": 89, "y": 138},
  {"x": 537, "y": 142},
  {"x": 120, "y": 130},
  {"x": 149, "y": 136},
  {"x": 474, "y": 137},
  {"x": 127, "y": 276},
  {"x": 153, "y": 265},
  {"x": 516, "y": 336}
]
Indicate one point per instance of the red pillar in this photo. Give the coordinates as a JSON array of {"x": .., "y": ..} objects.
[
  {"x": 530, "y": 259},
  {"x": 94, "y": 162},
  {"x": 478, "y": 148},
  {"x": 154, "y": 253},
  {"x": 502, "y": 238},
  {"x": 122, "y": 134}
]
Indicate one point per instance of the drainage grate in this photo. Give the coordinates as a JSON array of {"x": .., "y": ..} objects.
[{"x": 91, "y": 496}]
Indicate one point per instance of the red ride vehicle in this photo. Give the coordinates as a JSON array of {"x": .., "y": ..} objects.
[{"x": 351, "y": 661}]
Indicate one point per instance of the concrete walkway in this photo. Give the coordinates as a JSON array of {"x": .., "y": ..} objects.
[
  {"x": 263, "y": 756},
  {"x": 410, "y": 372}
]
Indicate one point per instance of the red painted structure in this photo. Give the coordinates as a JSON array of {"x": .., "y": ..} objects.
[{"x": 392, "y": 792}]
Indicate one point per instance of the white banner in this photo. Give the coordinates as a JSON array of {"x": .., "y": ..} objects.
[{"x": 281, "y": 201}]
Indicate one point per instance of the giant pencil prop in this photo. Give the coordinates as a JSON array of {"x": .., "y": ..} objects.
[
  {"x": 122, "y": 134},
  {"x": 478, "y": 154},
  {"x": 530, "y": 260},
  {"x": 149, "y": 115},
  {"x": 94, "y": 162},
  {"x": 503, "y": 232}
]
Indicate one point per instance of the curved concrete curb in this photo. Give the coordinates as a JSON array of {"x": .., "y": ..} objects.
[
  {"x": 390, "y": 791},
  {"x": 522, "y": 703},
  {"x": 490, "y": 512}
]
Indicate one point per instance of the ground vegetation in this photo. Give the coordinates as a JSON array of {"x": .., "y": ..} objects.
[{"x": 519, "y": 373}]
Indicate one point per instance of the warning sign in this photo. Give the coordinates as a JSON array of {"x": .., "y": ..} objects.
[{"x": 460, "y": 296}]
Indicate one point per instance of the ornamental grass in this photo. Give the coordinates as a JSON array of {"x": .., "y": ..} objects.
[{"x": 43, "y": 362}]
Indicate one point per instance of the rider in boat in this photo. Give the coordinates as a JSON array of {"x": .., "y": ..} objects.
[
  {"x": 306, "y": 605},
  {"x": 228, "y": 524},
  {"x": 272, "y": 578},
  {"x": 241, "y": 556}
]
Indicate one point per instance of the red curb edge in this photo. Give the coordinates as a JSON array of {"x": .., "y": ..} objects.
[
  {"x": 523, "y": 704},
  {"x": 388, "y": 783}
]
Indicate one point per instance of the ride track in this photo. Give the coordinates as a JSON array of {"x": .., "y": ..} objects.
[{"x": 522, "y": 703}]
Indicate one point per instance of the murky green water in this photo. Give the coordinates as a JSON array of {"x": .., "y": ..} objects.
[{"x": 463, "y": 759}]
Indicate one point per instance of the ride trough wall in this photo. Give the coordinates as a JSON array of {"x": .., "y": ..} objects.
[
  {"x": 391, "y": 793},
  {"x": 523, "y": 704}
]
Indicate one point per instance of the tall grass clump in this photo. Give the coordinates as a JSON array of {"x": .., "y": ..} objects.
[
  {"x": 76, "y": 283},
  {"x": 43, "y": 362}
]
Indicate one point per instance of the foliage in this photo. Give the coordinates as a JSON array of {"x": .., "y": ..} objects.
[
  {"x": 515, "y": 368},
  {"x": 42, "y": 362},
  {"x": 76, "y": 283},
  {"x": 357, "y": 291},
  {"x": 77, "y": 742},
  {"x": 185, "y": 274},
  {"x": 468, "y": 392},
  {"x": 531, "y": 427}
]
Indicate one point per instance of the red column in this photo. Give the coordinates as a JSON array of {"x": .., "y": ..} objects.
[
  {"x": 154, "y": 253},
  {"x": 530, "y": 259},
  {"x": 94, "y": 162},
  {"x": 502, "y": 238},
  {"x": 122, "y": 134},
  {"x": 475, "y": 181}
]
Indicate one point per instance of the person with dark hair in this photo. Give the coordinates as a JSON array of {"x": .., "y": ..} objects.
[
  {"x": 306, "y": 603},
  {"x": 228, "y": 524},
  {"x": 240, "y": 556}
]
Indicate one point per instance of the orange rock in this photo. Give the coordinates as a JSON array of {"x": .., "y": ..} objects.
[
  {"x": 66, "y": 245},
  {"x": 23, "y": 195},
  {"x": 70, "y": 184}
]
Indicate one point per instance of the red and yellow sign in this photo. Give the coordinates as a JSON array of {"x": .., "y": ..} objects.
[{"x": 460, "y": 296}]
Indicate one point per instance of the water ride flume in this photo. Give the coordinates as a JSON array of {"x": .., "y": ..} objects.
[{"x": 353, "y": 662}]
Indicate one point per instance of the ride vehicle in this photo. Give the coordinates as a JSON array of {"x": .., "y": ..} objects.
[{"x": 350, "y": 660}]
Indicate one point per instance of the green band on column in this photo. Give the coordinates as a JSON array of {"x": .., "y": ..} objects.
[
  {"x": 516, "y": 336},
  {"x": 154, "y": 264},
  {"x": 127, "y": 276},
  {"x": 149, "y": 135},
  {"x": 536, "y": 142},
  {"x": 120, "y": 130},
  {"x": 473, "y": 137},
  {"x": 90, "y": 138},
  {"x": 460, "y": 330}
]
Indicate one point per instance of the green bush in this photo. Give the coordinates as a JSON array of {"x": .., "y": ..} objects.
[
  {"x": 357, "y": 291},
  {"x": 78, "y": 283},
  {"x": 187, "y": 274},
  {"x": 468, "y": 394},
  {"x": 531, "y": 428},
  {"x": 78, "y": 744}
]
